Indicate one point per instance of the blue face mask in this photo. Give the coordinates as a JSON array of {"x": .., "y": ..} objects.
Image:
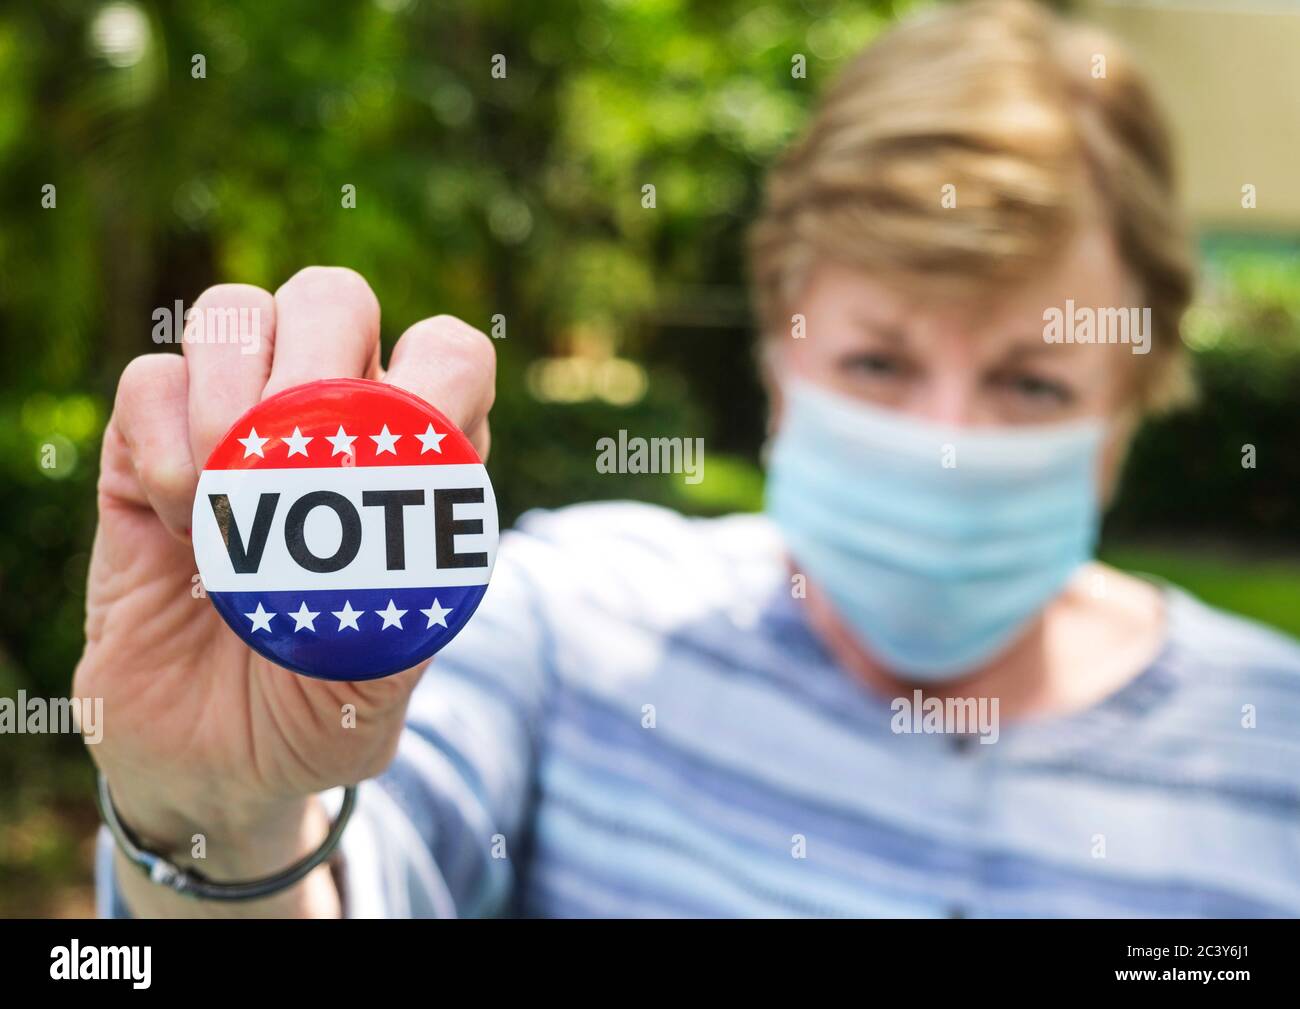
[{"x": 936, "y": 545}]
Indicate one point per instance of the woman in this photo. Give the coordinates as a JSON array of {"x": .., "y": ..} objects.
[{"x": 904, "y": 690}]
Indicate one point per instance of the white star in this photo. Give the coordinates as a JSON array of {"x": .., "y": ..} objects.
[
  {"x": 436, "y": 614},
  {"x": 384, "y": 441},
  {"x": 253, "y": 444},
  {"x": 348, "y": 616},
  {"x": 392, "y": 616},
  {"x": 261, "y": 619},
  {"x": 431, "y": 440},
  {"x": 342, "y": 441},
  {"x": 304, "y": 618},
  {"x": 297, "y": 443}
]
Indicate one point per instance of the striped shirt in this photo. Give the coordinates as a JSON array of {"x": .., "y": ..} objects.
[{"x": 639, "y": 721}]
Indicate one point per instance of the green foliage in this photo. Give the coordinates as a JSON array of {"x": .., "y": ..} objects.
[
  {"x": 1231, "y": 465},
  {"x": 482, "y": 196},
  {"x": 520, "y": 198},
  {"x": 1264, "y": 589}
]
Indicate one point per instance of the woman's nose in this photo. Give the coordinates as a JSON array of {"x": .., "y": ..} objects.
[{"x": 946, "y": 396}]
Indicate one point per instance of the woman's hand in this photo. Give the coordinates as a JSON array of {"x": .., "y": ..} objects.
[{"x": 201, "y": 734}]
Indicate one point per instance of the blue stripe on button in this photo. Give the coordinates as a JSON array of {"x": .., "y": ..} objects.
[{"x": 335, "y": 652}]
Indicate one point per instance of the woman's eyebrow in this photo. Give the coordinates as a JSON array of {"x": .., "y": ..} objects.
[
  {"x": 1034, "y": 346},
  {"x": 884, "y": 331}
]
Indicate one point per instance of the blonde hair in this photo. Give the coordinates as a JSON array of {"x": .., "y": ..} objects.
[{"x": 998, "y": 99}]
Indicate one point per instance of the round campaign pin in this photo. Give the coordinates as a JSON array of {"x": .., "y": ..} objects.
[{"x": 345, "y": 529}]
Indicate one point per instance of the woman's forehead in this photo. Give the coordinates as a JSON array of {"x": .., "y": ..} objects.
[{"x": 1088, "y": 273}]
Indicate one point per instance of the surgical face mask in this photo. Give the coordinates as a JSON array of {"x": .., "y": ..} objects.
[{"x": 936, "y": 545}]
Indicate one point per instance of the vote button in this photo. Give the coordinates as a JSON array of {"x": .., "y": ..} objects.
[{"x": 345, "y": 529}]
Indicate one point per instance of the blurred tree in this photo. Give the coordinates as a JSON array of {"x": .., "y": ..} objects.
[{"x": 194, "y": 143}]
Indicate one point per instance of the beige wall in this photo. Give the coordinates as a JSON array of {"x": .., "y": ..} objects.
[{"x": 1228, "y": 73}]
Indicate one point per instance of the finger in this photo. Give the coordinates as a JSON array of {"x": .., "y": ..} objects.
[
  {"x": 481, "y": 438},
  {"x": 228, "y": 345},
  {"x": 327, "y": 326},
  {"x": 147, "y": 458},
  {"x": 452, "y": 365}
]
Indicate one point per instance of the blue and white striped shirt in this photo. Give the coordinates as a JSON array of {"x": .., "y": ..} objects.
[{"x": 638, "y": 721}]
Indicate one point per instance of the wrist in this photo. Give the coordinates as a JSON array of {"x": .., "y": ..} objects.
[
  {"x": 304, "y": 887},
  {"x": 224, "y": 838}
]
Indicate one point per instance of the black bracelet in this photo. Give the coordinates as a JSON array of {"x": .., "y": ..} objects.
[{"x": 193, "y": 883}]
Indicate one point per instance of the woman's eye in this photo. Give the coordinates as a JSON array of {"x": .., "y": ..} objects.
[
  {"x": 1040, "y": 391},
  {"x": 883, "y": 365}
]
